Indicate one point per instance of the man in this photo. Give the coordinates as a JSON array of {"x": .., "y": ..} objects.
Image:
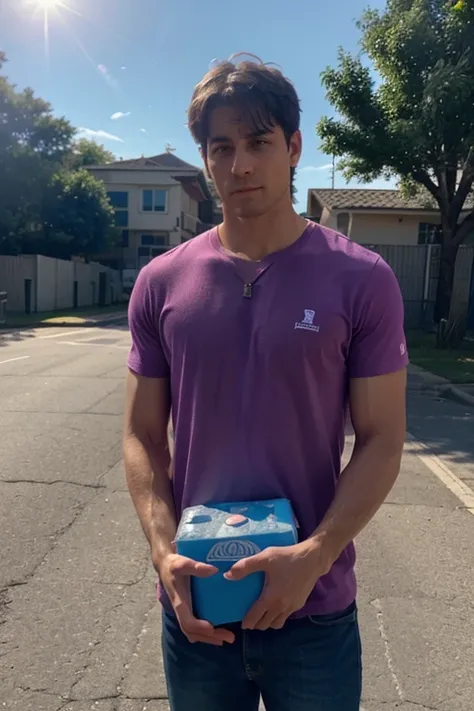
[{"x": 257, "y": 336}]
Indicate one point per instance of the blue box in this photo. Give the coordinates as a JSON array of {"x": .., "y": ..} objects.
[{"x": 222, "y": 534}]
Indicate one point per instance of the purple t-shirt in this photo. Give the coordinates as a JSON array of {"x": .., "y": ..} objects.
[{"x": 259, "y": 374}]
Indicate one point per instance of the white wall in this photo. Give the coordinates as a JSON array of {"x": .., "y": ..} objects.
[
  {"x": 64, "y": 284},
  {"x": 84, "y": 278},
  {"x": 157, "y": 221},
  {"x": 188, "y": 205},
  {"x": 134, "y": 182},
  {"x": 46, "y": 283},
  {"x": 13, "y": 272},
  {"x": 387, "y": 229}
]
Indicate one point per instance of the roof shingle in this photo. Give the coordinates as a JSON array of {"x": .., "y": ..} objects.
[
  {"x": 353, "y": 199},
  {"x": 164, "y": 160}
]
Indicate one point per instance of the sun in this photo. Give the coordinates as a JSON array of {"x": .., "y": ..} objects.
[
  {"x": 48, "y": 9},
  {"x": 46, "y": 4}
]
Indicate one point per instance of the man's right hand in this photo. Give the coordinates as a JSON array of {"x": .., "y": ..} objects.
[{"x": 175, "y": 573}]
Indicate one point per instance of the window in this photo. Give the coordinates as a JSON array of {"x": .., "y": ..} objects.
[
  {"x": 429, "y": 233},
  {"x": 121, "y": 218},
  {"x": 119, "y": 199},
  {"x": 154, "y": 200},
  {"x": 154, "y": 240},
  {"x": 125, "y": 236}
]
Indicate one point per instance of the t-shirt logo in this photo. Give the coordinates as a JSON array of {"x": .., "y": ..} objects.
[{"x": 307, "y": 324}]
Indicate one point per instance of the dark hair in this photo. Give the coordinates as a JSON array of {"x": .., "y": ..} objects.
[{"x": 266, "y": 98}]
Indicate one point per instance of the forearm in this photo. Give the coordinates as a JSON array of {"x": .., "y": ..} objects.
[
  {"x": 362, "y": 488},
  {"x": 147, "y": 470}
]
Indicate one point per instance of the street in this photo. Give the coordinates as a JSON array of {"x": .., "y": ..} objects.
[{"x": 79, "y": 625}]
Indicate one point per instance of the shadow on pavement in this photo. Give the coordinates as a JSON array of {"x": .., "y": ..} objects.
[
  {"x": 16, "y": 335},
  {"x": 445, "y": 427}
]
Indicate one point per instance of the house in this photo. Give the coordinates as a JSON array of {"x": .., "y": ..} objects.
[
  {"x": 376, "y": 216},
  {"x": 159, "y": 203}
]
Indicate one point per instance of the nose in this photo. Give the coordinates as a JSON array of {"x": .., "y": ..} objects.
[{"x": 243, "y": 162}]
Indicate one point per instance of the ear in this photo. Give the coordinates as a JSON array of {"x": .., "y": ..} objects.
[{"x": 295, "y": 148}]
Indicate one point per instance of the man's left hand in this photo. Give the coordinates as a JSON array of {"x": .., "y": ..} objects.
[{"x": 291, "y": 573}]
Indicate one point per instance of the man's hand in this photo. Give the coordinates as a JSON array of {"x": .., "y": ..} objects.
[
  {"x": 175, "y": 573},
  {"x": 290, "y": 575}
]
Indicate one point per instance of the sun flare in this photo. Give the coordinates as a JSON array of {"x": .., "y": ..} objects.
[{"x": 46, "y": 4}]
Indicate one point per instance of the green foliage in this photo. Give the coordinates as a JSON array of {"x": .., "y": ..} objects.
[
  {"x": 77, "y": 215},
  {"x": 412, "y": 118},
  {"x": 84, "y": 152},
  {"x": 48, "y": 202}
]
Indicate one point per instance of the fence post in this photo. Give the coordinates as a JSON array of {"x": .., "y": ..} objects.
[{"x": 426, "y": 284}]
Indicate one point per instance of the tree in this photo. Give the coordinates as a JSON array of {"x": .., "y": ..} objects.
[
  {"x": 418, "y": 123},
  {"x": 76, "y": 216},
  {"x": 84, "y": 152},
  {"x": 32, "y": 144},
  {"x": 48, "y": 202}
]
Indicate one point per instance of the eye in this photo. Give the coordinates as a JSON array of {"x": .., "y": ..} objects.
[
  {"x": 260, "y": 142},
  {"x": 221, "y": 150}
]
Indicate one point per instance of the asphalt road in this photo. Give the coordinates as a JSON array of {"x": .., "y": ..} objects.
[{"x": 79, "y": 626}]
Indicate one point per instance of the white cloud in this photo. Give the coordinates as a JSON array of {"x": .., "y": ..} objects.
[
  {"x": 315, "y": 168},
  {"x": 119, "y": 115},
  {"x": 143, "y": 130},
  {"x": 104, "y": 135},
  {"x": 122, "y": 68}
]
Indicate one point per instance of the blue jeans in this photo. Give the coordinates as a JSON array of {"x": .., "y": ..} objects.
[{"x": 312, "y": 664}]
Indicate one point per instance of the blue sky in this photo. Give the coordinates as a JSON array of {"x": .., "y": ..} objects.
[{"x": 124, "y": 70}]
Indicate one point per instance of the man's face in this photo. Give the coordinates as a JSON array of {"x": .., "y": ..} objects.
[{"x": 251, "y": 170}]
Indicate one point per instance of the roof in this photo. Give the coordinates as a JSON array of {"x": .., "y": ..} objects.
[
  {"x": 192, "y": 187},
  {"x": 352, "y": 199},
  {"x": 164, "y": 160},
  {"x": 169, "y": 160}
]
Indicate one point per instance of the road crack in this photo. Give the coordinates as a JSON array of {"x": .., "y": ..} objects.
[
  {"x": 51, "y": 483},
  {"x": 388, "y": 653}
]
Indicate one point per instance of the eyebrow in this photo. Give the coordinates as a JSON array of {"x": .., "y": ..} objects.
[{"x": 252, "y": 134}]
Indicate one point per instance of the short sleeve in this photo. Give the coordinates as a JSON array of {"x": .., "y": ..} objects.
[
  {"x": 378, "y": 344},
  {"x": 146, "y": 356}
]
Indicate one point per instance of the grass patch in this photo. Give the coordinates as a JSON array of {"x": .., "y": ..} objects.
[
  {"x": 69, "y": 317},
  {"x": 457, "y": 365}
]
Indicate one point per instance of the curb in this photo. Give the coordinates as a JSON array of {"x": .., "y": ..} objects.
[
  {"x": 440, "y": 386},
  {"x": 454, "y": 393},
  {"x": 89, "y": 323}
]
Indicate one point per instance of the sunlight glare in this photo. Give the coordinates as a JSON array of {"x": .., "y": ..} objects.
[{"x": 46, "y": 4}]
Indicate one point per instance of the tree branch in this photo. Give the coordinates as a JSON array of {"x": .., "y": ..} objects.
[
  {"x": 465, "y": 187},
  {"x": 443, "y": 188},
  {"x": 421, "y": 177}
]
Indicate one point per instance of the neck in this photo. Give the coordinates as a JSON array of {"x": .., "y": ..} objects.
[{"x": 256, "y": 237}]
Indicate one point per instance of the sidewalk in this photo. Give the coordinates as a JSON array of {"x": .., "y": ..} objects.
[
  {"x": 420, "y": 379},
  {"x": 69, "y": 318}
]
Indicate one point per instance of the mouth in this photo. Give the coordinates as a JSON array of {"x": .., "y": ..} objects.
[{"x": 245, "y": 191}]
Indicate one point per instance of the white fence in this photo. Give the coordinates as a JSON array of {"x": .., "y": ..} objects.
[{"x": 37, "y": 283}]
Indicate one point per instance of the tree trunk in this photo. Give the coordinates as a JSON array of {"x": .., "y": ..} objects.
[{"x": 445, "y": 281}]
